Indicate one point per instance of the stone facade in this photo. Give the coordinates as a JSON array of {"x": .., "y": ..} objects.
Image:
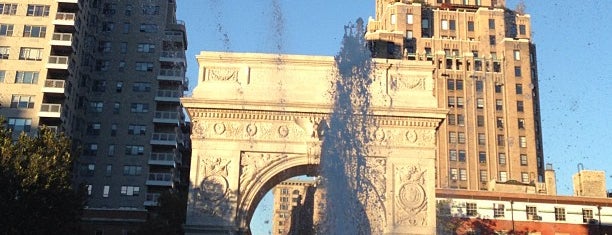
[
  {"x": 255, "y": 119},
  {"x": 590, "y": 183}
]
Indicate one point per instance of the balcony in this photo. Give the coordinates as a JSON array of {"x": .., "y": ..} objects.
[
  {"x": 171, "y": 75},
  {"x": 168, "y": 95},
  {"x": 164, "y": 139},
  {"x": 166, "y": 117},
  {"x": 58, "y": 62},
  {"x": 151, "y": 199},
  {"x": 54, "y": 86},
  {"x": 61, "y": 39},
  {"x": 163, "y": 159},
  {"x": 68, "y": 1},
  {"x": 173, "y": 56},
  {"x": 64, "y": 18},
  {"x": 160, "y": 179},
  {"x": 50, "y": 110}
]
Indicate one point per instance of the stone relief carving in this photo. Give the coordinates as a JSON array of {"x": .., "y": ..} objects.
[
  {"x": 219, "y": 128},
  {"x": 375, "y": 194},
  {"x": 251, "y": 129},
  {"x": 411, "y": 197},
  {"x": 283, "y": 131},
  {"x": 222, "y": 74},
  {"x": 244, "y": 130},
  {"x": 411, "y": 136},
  {"x": 208, "y": 197},
  {"x": 403, "y": 83},
  {"x": 252, "y": 163}
]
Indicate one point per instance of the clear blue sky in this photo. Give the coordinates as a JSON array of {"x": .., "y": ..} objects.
[{"x": 573, "y": 49}]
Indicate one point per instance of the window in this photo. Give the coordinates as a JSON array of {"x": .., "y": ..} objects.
[
  {"x": 501, "y": 158},
  {"x": 460, "y": 120},
  {"x": 503, "y": 176},
  {"x": 517, "y": 55},
  {"x": 8, "y": 8},
  {"x": 409, "y": 19},
  {"x": 471, "y": 209},
  {"x": 450, "y": 84},
  {"x": 106, "y": 191},
  {"x": 27, "y": 53},
  {"x": 491, "y": 23},
  {"x": 484, "y": 176},
  {"x": 587, "y": 215},
  {"x": 22, "y": 101},
  {"x": 144, "y": 66},
  {"x": 481, "y": 139},
  {"x": 134, "y": 150},
  {"x": 444, "y": 24},
  {"x": 123, "y": 47},
  {"x": 6, "y": 30},
  {"x": 452, "y": 24},
  {"x": 113, "y": 129},
  {"x": 87, "y": 169},
  {"x": 284, "y": 191},
  {"x": 492, "y": 40},
  {"x": 482, "y": 157},
  {"x": 105, "y": 46},
  {"x": 27, "y": 77},
  {"x": 498, "y": 88},
  {"x": 461, "y": 138},
  {"x": 132, "y": 170},
  {"x": 111, "y": 150},
  {"x": 4, "y": 53},
  {"x": 146, "y": 47},
  {"x": 500, "y": 140},
  {"x": 523, "y": 159},
  {"x": 126, "y": 28},
  {"x": 89, "y": 188},
  {"x": 470, "y": 26},
  {"x": 34, "y": 31},
  {"x": 499, "y": 105},
  {"x": 452, "y": 137},
  {"x": 141, "y": 87},
  {"x": 522, "y": 29},
  {"x": 453, "y": 173},
  {"x": 18, "y": 125},
  {"x": 93, "y": 128},
  {"x": 98, "y": 86},
  {"x": 96, "y": 106},
  {"x": 459, "y": 102},
  {"x": 102, "y": 65},
  {"x": 479, "y": 86},
  {"x": 451, "y": 119},
  {"x": 451, "y": 101},
  {"x": 452, "y": 155},
  {"x": 520, "y": 106},
  {"x": 498, "y": 210},
  {"x": 393, "y": 19},
  {"x": 148, "y": 28},
  {"x": 128, "y": 10},
  {"x": 532, "y": 212},
  {"x": 500, "y": 122},
  {"x": 90, "y": 149},
  {"x": 462, "y": 174},
  {"x": 517, "y": 71},
  {"x": 459, "y": 85},
  {"x": 137, "y": 130},
  {"x": 109, "y": 170},
  {"x": 521, "y": 123},
  {"x": 523, "y": 141},
  {"x": 425, "y": 24},
  {"x": 409, "y": 34},
  {"x": 121, "y": 65},
  {"x": 139, "y": 108},
  {"x": 519, "y": 89},
  {"x": 480, "y": 120},
  {"x": 130, "y": 190},
  {"x": 480, "y": 103},
  {"x": 108, "y": 26},
  {"x": 150, "y": 10},
  {"x": 559, "y": 214},
  {"x": 462, "y": 155},
  {"x": 524, "y": 177},
  {"x": 118, "y": 87},
  {"x": 109, "y": 9},
  {"x": 38, "y": 10}
]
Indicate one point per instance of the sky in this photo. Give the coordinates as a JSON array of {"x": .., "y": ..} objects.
[{"x": 573, "y": 50}]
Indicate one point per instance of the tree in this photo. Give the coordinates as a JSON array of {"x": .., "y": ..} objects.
[
  {"x": 37, "y": 195},
  {"x": 168, "y": 217}
]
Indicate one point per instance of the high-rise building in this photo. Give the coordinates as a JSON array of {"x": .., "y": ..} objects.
[
  {"x": 294, "y": 202},
  {"x": 109, "y": 74},
  {"x": 486, "y": 75}
]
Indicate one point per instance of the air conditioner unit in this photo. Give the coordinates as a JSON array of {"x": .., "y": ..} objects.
[{"x": 534, "y": 217}]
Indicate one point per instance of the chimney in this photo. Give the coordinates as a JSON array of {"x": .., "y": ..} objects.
[{"x": 550, "y": 179}]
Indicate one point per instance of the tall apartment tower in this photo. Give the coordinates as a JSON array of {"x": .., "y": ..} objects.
[
  {"x": 109, "y": 74},
  {"x": 485, "y": 69},
  {"x": 294, "y": 202}
]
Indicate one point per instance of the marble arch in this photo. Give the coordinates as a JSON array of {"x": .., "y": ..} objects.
[{"x": 256, "y": 121}]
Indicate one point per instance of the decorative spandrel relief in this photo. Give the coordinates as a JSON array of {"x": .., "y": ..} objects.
[
  {"x": 374, "y": 196},
  {"x": 210, "y": 196},
  {"x": 253, "y": 163},
  {"x": 399, "y": 82},
  {"x": 222, "y": 74},
  {"x": 411, "y": 196}
]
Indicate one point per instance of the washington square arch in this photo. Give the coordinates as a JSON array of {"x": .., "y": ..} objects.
[{"x": 257, "y": 120}]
